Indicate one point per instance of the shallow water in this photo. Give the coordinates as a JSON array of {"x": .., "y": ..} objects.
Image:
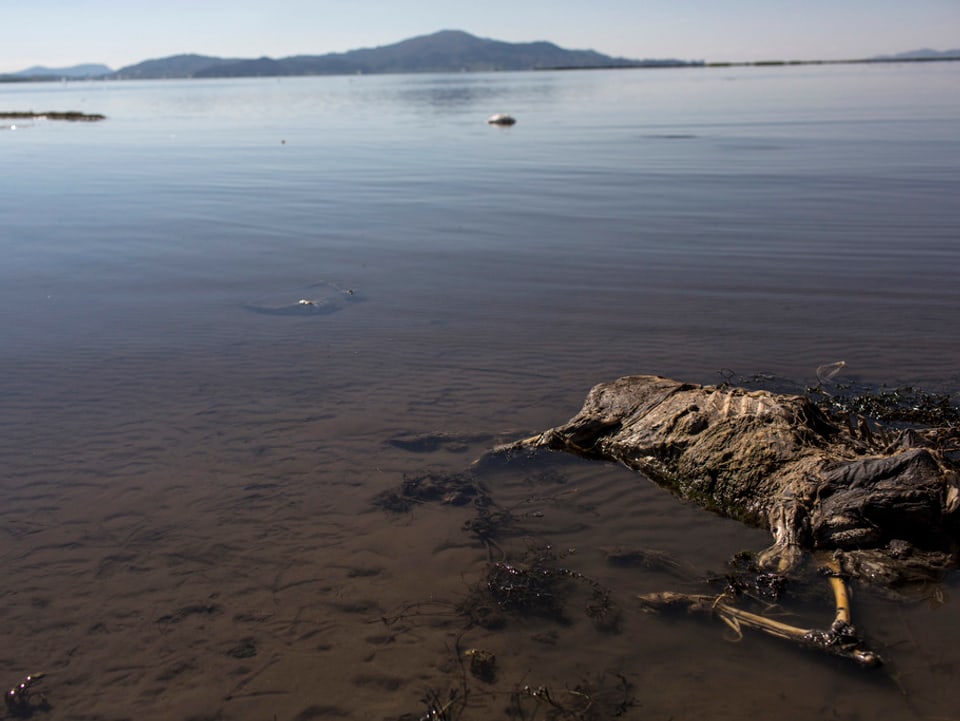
[{"x": 187, "y": 519}]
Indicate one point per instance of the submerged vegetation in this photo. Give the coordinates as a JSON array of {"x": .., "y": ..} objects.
[
  {"x": 515, "y": 589},
  {"x": 455, "y": 489},
  {"x": 539, "y": 586},
  {"x": 534, "y": 585}
]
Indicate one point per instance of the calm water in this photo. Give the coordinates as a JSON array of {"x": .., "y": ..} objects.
[{"x": 177, "y": 432}]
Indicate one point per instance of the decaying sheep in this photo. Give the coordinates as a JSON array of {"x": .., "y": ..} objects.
[{"x": 888, "y": 505}]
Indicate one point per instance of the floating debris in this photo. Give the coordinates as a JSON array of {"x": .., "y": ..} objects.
[
  {"x": 830, "y": 371},
  {"x": 330, "y": 298}
]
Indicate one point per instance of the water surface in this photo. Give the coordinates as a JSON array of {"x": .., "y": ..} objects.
[{"x": 166, "y": 446}]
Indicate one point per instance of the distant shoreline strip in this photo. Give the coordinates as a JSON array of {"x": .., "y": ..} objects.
[{"x": 71, "y": 115}]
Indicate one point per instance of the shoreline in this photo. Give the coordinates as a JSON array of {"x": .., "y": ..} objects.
[
  {"x": 664, "y": 65},
  {"x": 69, "y": 115}
]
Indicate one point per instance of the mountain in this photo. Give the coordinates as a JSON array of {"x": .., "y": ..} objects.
[
  {"x": 444, "y": 51},
  {"x": 924, "y": 54},
  {"x": 90, "y": 70},
  {"x": 175, "y": 66},
  {"x": 450, "y": 50}
]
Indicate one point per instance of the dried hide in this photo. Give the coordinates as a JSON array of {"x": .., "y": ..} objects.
[{"x": 777, "y": 461}]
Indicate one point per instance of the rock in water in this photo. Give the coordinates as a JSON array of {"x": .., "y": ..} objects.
[{"x": 501, "y": 119}]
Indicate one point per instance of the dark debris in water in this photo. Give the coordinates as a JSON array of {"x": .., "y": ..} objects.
[
  {"x": 744, "y": 577},
  {"x": 246, "y": 648},
  {"x": 600, "y": 697},
  {"x": 199, "y": 609},
  {"x": 433, "y": 442},
  {"x": 650, "y": 560},
  {"x": 437, "y": 708},
  {"x": 490, "y": 522},
  {"x": 536, "y": 589},
  {"x": 23, "y": 700},
  {"x": 455, "y": 489},
  {"x": 538, "y": 586},
  {"x": 905, "y": 405},
  {"x": 900, "y": 406},
  {"x": 318, "y": 299}
]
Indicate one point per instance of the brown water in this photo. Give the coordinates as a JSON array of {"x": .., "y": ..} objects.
[{"x": 187, "y": 523}]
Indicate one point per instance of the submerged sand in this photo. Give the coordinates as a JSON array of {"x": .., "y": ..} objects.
[{"x": 198, "y": 540}]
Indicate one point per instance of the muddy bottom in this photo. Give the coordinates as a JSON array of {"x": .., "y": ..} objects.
[{"x": 206, "y": 538}]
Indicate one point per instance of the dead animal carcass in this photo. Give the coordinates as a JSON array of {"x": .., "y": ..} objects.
[
  {"x": 885, "y": 505},
  {"x": 776, "y": 461}
]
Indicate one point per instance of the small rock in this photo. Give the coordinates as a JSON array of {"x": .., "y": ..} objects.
[{"x": 501, "y": 119}]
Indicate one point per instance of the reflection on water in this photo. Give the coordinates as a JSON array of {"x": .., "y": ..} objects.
[
  {"x": 457, "y": 94},
  {"x": 200, "y": 476}
]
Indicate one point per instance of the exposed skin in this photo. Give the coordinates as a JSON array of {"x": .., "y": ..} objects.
[{"x": 889, "y": 507}]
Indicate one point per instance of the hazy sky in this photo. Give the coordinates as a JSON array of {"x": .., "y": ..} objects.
[{"x": 58, "y": 33}]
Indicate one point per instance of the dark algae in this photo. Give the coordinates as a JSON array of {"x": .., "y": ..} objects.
[
  {"x": 454, "y": 489},
  {"x": 891, "y": 406},
  {"x": 538, "y": 586},
  {"x": 532, "y": 589},
  {"x": 603, "y": 696}
]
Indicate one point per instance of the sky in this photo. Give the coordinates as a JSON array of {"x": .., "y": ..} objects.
[{"x": 60, "y": 33}]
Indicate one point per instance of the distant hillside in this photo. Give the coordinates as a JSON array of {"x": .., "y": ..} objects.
[
  {"x": 445, "y": 51},
  {"x": 176, "y": 66},
  {"x": 924, "y": 54},
  {"x": 91, "y": 70}
]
